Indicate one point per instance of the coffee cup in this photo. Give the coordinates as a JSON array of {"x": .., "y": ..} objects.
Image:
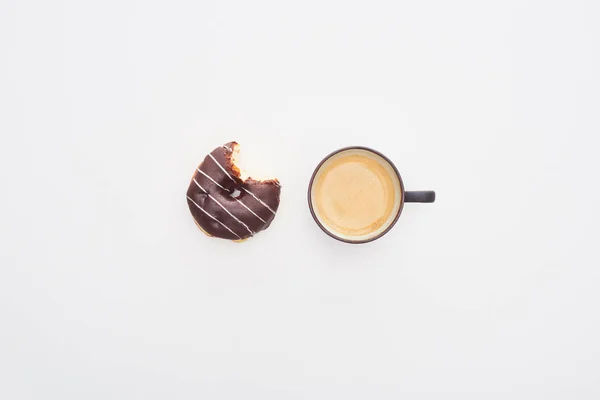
[{"x": 356, "y": 195}]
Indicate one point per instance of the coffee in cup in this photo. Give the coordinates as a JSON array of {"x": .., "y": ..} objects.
[{"x": 356, "y": 195}]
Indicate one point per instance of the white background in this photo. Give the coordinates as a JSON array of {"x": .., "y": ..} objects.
[{"x": 109, "y": 291}]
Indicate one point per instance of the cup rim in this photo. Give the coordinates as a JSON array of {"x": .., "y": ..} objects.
[{"x": 333, "y": 235}]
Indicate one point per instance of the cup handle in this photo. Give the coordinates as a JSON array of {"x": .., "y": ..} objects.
[{"x": 420, "y": 196}]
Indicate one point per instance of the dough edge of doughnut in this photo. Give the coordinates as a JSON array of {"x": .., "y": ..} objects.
[{"x": 211, "y": 236}]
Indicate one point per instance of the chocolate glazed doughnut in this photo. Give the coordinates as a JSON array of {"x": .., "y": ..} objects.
[{"x": 225, "y": 206}]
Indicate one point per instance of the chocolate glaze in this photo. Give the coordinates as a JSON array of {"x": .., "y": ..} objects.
[{"x": 211, "y": 200}]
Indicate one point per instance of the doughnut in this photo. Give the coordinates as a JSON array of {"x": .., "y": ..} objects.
[{"x": 226, "y": 206}]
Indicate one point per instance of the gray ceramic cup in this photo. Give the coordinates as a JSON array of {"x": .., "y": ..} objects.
[{"x": 354, "y": 196}]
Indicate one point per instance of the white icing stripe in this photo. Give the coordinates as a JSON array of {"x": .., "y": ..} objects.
[
  {"x": 223, "y": 207},
  {"x": 220, "y": 166},
  {"x": 215, "y": 182},
  {"x": 204, "y": 211},
  {"x": 253, "y": 213},
  {"x": 257, "y": 199}
]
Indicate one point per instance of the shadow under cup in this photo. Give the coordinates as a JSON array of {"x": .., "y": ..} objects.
[{"x": 356, "y": 195}]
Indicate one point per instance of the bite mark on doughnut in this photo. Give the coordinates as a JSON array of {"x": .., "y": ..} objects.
[{"x": 238, "y": 171}]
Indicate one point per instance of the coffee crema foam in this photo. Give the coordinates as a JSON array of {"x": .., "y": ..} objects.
[{"x": 356, "y": 194}]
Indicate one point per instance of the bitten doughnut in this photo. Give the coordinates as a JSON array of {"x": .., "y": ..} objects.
[{"x": 226, "y": 206}]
